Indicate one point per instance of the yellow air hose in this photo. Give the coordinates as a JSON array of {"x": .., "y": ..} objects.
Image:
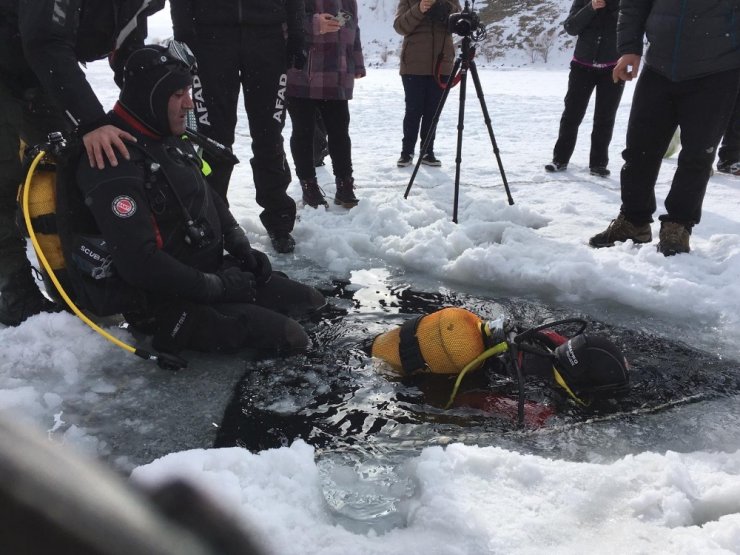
[
  {"x": 161, "y": 358},
  {"x": 498, "y": 349}
]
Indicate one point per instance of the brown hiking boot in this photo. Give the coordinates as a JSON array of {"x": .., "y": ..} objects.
[
  {"x": 674, "y": 239},
  {"x": 621, "y": 230}
]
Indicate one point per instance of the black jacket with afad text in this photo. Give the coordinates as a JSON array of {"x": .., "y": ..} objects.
[
  {"x": 190, "y": 17},
  {"x": 140, "y": 207},
  {"x": 596, "y": 31},
  {"x": 42, "y": 43},
  {"x": 687, "y": 39}
]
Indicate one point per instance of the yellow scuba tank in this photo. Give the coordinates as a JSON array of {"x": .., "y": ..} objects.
[
  {"x": 443, "y": 342},
  {"x": 42, "y": 205}
]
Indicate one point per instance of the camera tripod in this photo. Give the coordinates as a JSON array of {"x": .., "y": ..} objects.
[{"x": 464, "y": 62}]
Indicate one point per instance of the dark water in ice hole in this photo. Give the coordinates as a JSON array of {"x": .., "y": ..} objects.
[{"x": 365, "y": 423}]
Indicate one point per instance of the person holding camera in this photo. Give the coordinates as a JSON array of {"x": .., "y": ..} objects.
[
  {"x": 167, "y": 229},
  {"x": 325, "y": 85},
  {"x": 427, "y": 56},
  {"x": 594, "y": 22}
]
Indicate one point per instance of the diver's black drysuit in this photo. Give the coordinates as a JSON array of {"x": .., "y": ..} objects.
[{"x": 142, "y": 208}]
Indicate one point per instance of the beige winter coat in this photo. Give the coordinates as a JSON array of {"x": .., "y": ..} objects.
[{"x": 425, "y": 37}]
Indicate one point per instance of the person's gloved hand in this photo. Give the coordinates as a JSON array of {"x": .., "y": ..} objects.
[
  {"x": 239, "y": 286},
  {"x": 296, "y": 51},
  {"x": 237, "y": 245},
  {"x": 258, "y": 263}
]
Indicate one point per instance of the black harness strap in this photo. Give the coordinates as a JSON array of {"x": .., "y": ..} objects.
[
  {"x": 408, "y": 347},
  {"x": 45, "y": 223}
]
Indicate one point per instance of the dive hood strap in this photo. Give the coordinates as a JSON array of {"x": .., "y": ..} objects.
[{"x": 408, "y": 347}]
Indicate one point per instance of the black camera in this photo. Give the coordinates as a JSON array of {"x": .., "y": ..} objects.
[
  {"x": 198, "y": 234},
  {"x": 463, "y": 23}
]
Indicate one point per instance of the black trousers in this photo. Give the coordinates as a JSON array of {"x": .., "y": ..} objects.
[
  {"x": 252, "y": 59},
  {"x": 320, "y": 143},
  {"x": 701, "y": 107},
  {"x": 422, "y": 95},
  {"x": 267, "y": 325},
  {"x": 30, "y": 116},
  {"x": 729, "y": 150},
  {"x": 335, "y": 115},
  {"x": 581, "y": 83}
]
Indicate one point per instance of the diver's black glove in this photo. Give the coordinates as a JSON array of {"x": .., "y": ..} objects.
[
  {"x": 296, "y": 51},
  {"x": 238, "y": 246},
  {"x": 250, "y": 260},
  {"x": 258, "y": 263},
  {"x": 238, "y": 286}
]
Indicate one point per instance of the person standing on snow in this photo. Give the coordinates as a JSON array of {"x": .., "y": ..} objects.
[
  {"x": 326, "y": 84},
  {"x": 243, "y": 44},
  {"x": 594, "y": 22},
  {"x": 167, "y": 230},
  {"x": 43, "y": 89},
  {"x": 427, "y": 56},
  {"x": 690, "y": 79}
]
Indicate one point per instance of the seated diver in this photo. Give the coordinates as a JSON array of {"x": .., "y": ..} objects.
[
  {"x": 453, "y": 341},
  {"x": 167, "y": 231}
]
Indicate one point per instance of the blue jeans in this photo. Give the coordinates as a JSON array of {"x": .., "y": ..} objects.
[{"x": 422, "y": 95}]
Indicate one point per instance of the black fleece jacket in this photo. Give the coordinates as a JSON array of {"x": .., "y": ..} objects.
[
  {"x": 189, "y": 17},
  {"x": 596, "y": 31},
  {"x": 42, "y": 43}
]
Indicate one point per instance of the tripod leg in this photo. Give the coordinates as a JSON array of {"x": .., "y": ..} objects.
[
  {"x": 433, "y": 126},
  {"x": 487, "y": 119},
  {"x": 460, "y": 127}
]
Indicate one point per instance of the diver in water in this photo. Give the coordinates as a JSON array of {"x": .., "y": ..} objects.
[{"x": 582, "y": 369}]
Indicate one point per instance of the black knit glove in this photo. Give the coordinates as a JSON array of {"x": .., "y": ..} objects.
[{"x": 296, "y": 51}]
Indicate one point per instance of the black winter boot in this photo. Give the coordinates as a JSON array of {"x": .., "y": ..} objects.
[
  {"x": 346, "y": 192},
  {"x": 20, "y": 298},
  {"x": 729, "y": 166},
  {"x": 556, "y": 166},
  {"x": 313, "y": 196},
  {"x": 282, "y": 241}
]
